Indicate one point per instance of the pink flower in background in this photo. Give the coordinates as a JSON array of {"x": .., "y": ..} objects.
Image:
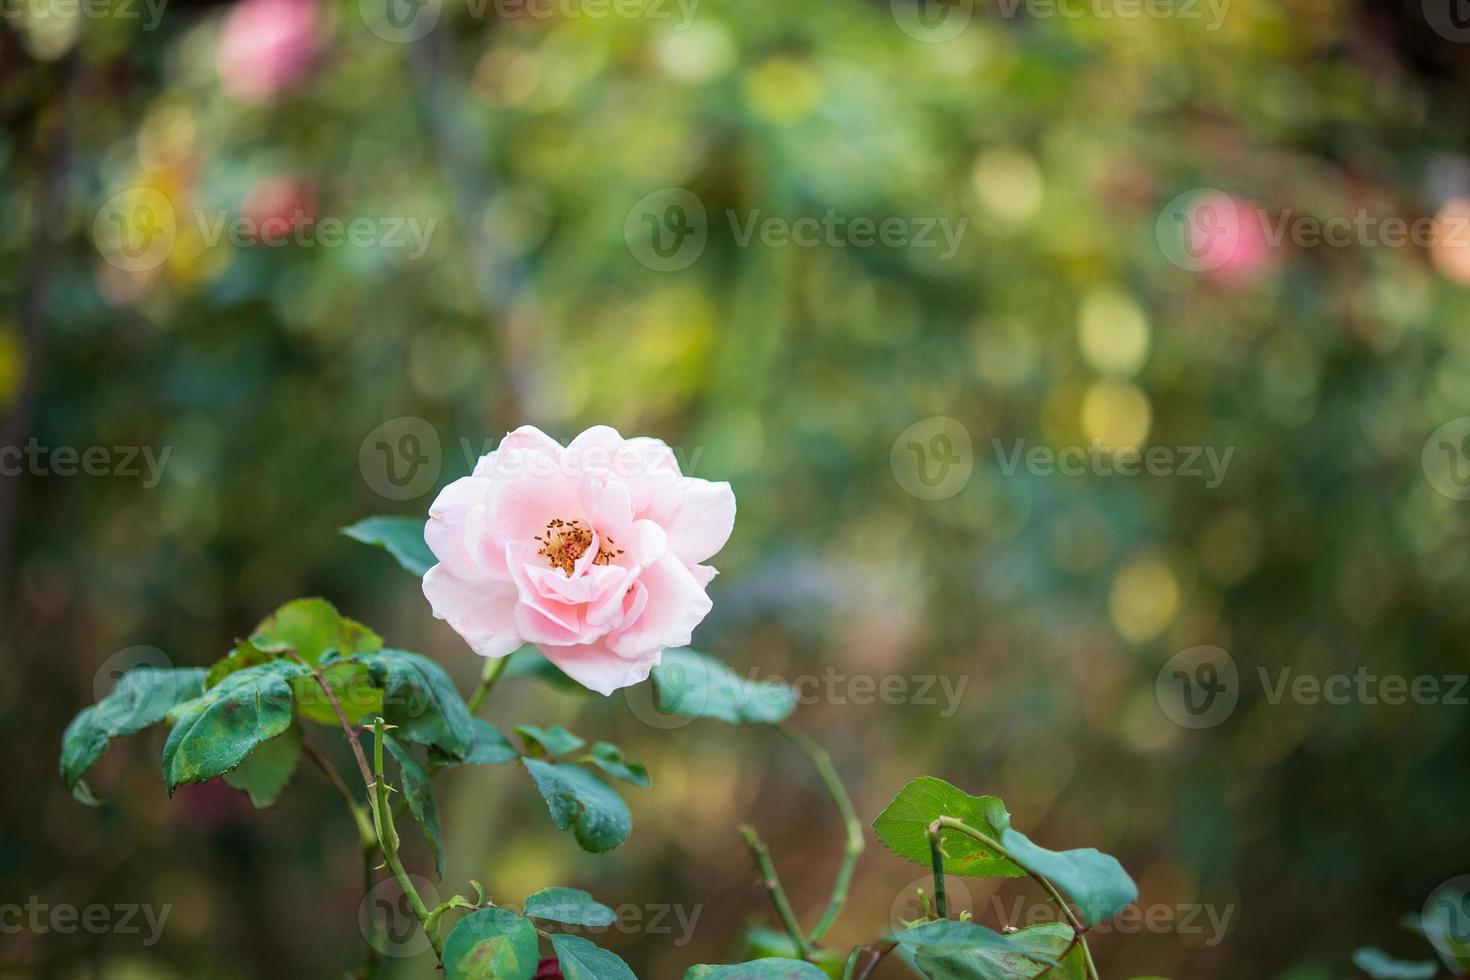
[
  {"x": 593, "y": 552},
  {"x": 265, "y": 46}
]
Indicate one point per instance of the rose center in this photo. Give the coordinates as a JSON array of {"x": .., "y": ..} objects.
[{"x": 567, "y": 541}]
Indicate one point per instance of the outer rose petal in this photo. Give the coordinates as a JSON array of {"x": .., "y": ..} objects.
[
  {"x": 481, "y": 612},
  {"x": 598, "y": 668},
  {"x": 445, "y": 533},
  {"x": 675, "y": 605},
  {"x": 697, "y": 514},
  {"x": 528, "y": 439}
]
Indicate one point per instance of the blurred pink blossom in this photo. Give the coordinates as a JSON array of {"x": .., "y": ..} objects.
[{"x": 266, "y": 46}]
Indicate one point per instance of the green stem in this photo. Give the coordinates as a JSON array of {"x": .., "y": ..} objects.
[
  {"x": 952, "y": 823},
  {"x": 773, "y": 888},
  {"x": 852, "y": 846},
  {"x": 388, "y": 840},
  {"x": 494, "y": 667},
  {"x": 936, "y": 858},
  {"x": 371, "y": 956},
  {"x": 851, "y": 964}
]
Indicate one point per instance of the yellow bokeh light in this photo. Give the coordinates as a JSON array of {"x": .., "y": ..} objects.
[
  {"x": 783, "y": 90},
  {"x": 1115, "y": 414},
  {"x": 1144, "y": 599},
  {"x": 1113, "y": 332},
  {"x": 1008, "y": 184}
]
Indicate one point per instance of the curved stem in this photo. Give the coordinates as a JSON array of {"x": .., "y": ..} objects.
[
  {"x": 388, "y": 840},
  {"x": 936, "y": 858},
  {"x": 347, "y": 729},
  {"x": 854, "y": 844},
  {"x": 959, "y": 825},
  {"x": 494, "y": 667},
  {"x": 773, "y": 888}
]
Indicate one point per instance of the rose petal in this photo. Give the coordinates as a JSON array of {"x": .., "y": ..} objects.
[{"x": 481, "y": 612}]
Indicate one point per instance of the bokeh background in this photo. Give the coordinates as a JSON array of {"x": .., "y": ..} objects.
[{"x": 553, "y": 157}]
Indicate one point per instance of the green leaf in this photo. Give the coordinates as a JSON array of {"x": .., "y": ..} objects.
[
  {"x": 903, "y": 827},
  {"x": 353, "y": 686},
  {"x": 420, "y": 699},
  {"x": 311, "y": 627},
  {"x": 1380, "y": 966},
  {"x": 1094, "y": 881},
  {"x": 491, "y": 944},
  {"x": 215, "y": 732},
  {"x": 759, "y": 942},
  {"x": 402, "y": 536},
  {"x": 570, "y": 905},
  {"x": 596, "y": 813},
  {"x": 419, "y": 792},
  {"x": 609, "y": 758},
  {"x": 954, "y": 934},
  {"x": 581, "y": 960},
  {"x": 1025, "y": 955},
  {"x": 529, "y": 662},
  {"x": 768, "y": 969},
  {"x": 315, "y": 631},
  {"x": 696, "y": 686},
  {"x": 487, "y": 748},
  {"x": 268, "y": 768},
  {"x": 143, "y": 697},
  {"x": 555, "y": 740}
]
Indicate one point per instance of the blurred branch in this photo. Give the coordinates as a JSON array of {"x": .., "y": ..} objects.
[
  {"x": 48, "y": 216},
  {"x": 772, "y": 881},
  {"x": 852, "y": 847}
]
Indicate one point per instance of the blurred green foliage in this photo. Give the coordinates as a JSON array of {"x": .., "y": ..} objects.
[{"x": 526, "y": 143}]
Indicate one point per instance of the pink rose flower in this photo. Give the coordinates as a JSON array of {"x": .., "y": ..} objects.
[{"x": 593, "y": 552}]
